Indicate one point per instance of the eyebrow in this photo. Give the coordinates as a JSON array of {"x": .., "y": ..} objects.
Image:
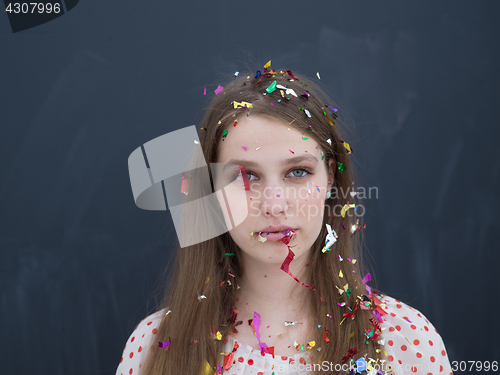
[{"x": 252, "y": 164}]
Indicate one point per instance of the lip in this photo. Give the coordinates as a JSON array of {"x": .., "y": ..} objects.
[{"x": 280, "y": 228}]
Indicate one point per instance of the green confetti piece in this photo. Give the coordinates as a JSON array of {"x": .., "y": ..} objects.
[
  {"x": 301, "y": 109},
  {"x": 342, "y": 166},
  {"x": 271, "y": 87},
  {"x": 224, "y": 135},
  {"x": 322, "y": 157},
  {"x": 348, "y": 292},
  {"x": 230, "y": 254},
  {"x": 304, "y": 137}
]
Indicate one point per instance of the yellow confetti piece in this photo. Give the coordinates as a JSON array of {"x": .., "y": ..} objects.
[
  {"x": 219, "y": 122},
  {"x": 341, "y": 274},
  {"x": 311, "y": 344},
  {"x": 330, "y": 120},
  {"x": 262, "y": 239},
  {"x": 347, "y": 147},
  {"x": 345, "y": 208},
  {"x": 219, "y": 336},
  {"x": 242, "y": 104},
  {"x": 268, "y": 64},
  {"x": 346, "y": 286},
  {"x": 352, "y": 334},
  {"x": 207, "y": 280},
  {"x": 251, "y": 233},
  {"x": 207, "y": 368},
  {"x": 353, "y": 261}
]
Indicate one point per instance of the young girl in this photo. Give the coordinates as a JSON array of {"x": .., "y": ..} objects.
[{"x": 281, "y": 291}]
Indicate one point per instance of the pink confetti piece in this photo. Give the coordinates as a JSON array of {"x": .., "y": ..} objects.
[
  {"x": 256, "y": 324},
  {"x": 218, "y": 90},
  {"x": 244, "y": 148},
  {"x": 204, "y": 91},
  {"x": 164, "y": 344},
  {"x": 291, "y": 151}
]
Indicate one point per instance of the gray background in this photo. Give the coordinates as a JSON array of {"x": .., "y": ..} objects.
[{"x": 79, "y": 262}]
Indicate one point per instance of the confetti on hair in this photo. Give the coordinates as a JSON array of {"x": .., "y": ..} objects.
[
  {"x": 257, "y": 74},
  {"x": 345, "y": 208},
  {"x": 219, "y": 89},
  {"x": 341, "y": 166},
  {"x": 330, "y": 239},
  {"x": 165, "y": 345},
  {"x": 291, "y": 75},
  {"x": 325, "y": 337},
  {"x": 332, "y": 123},
  {"x": 329, "y": 141},
  {"x": 307, "y": 112},
  {"x": 348, "y": 148},
  {"x": 268, "y": 64},
  {"x": 271, "y": 87},
  {"x": 242, "y": 104},
  {"x": 230, "y": 254}
]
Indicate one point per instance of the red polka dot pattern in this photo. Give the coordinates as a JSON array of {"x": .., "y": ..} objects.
[{"x": 411, "y": 345}]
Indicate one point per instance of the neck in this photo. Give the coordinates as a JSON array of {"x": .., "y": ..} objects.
[{"x": 272, "y": 293}]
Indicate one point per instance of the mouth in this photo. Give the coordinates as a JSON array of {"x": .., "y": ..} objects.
[{"x": 277, "y": 235}]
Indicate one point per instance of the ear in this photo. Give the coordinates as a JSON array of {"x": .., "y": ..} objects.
[{"x": 332, "y": 165}]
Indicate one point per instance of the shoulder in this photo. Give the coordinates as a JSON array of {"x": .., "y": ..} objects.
[
  {"x": 139, "y": 343},
  {"x": 410, "y": 340}
]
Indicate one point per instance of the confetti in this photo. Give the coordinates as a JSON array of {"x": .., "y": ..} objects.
[
  {"x": 268, "y": 64},
  {"x": 330, "y": 239},
  {"x": 317, "y": 73},
  {"x": 224, "y": 134},
  {"x": 204, "y": 91},
  {"x": 345, "y": 208},
  {"x": 244, "y": 148},
  {"x": 307, "y": 112},
  {"x": 291, "y": 151},
  {"x": 286, "y": 263},
  {"x": 329, "y": 141},
  {"x": 348, "y": 148},
  {"x": 185, "y": 185},
  {"x": 242, "y": 104},
  {"x": 271, "y": 87},
  {"x": 236, "y": 74},
  {"x": 219, "y": 89},
  {"x": 164, "y": 344},
  {"x": 341, "y": 166},
  {"x": 256, "y": 324}
]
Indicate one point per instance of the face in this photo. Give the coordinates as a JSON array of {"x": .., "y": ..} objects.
[{"x": 283, "y": 192}]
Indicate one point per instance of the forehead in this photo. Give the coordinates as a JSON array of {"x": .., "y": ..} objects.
[{"x": 261, "y": 138}]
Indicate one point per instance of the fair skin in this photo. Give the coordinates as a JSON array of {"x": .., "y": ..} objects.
[{"x": 278, "y": 196}]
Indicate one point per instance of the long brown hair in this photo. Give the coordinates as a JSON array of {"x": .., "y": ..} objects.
[{"x": 202, "y": 269}]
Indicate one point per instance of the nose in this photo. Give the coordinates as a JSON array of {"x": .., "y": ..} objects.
[{"x": 273, "y": 201}]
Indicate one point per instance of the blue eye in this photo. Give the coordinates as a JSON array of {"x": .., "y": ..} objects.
[{"x": 304, "y": 169}]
